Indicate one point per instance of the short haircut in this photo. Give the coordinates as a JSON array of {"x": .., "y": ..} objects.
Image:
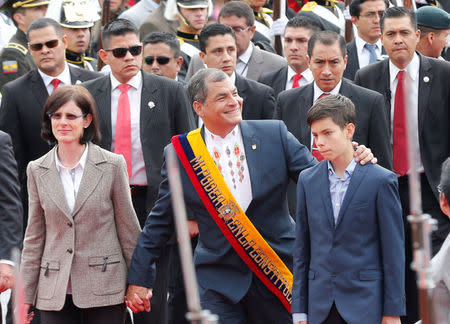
[
  {"x": 43, "y": 23},
  {"x": 198, "y": 84},
  {"x": 239, "y": 9},
  {"x": 398, "y": 12},
  {"x": 304, "y": 22},
  {"x": 339, "y": 108},
  {"x": 355, "y": 6},
  {"x": 445, "y": 179},
  {"x": 166, "y": 38},
  {"x": 426, "y": 30},
  {"x": 118, "y": 27},
  {"x": 83, "y": 99},
  {"x": 327, "y": 37},
  {"x": 211, "y": 31}
]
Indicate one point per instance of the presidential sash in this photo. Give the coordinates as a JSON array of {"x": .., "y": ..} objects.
[{"x": 232, "y": 221}]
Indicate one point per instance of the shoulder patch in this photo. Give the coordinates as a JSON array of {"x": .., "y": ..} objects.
[
  {"x": 22, "y": 49},
  {"x": 9, "y": 67}
]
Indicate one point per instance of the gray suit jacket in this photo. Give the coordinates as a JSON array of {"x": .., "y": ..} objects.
[
  {"x": 276, "y": 79},
  {"x": 169, "y": 115},
  {"x": 260, "y": 62},
  {"x": 10, "y": 203},
  {"x": 92, "y": 246}
]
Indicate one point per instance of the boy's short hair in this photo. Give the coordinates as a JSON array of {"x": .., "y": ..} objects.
[{"x": 339, "y": 108}]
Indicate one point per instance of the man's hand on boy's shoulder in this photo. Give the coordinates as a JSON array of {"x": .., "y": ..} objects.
[
  {"x": 390, "y": 320},
  {"x": 363, "y": 154}
]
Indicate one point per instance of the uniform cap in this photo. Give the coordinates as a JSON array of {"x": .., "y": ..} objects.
[{"x": 433, "y": 17}]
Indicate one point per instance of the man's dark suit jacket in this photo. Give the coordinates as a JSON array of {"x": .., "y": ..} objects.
[
  {"x": 20, "y": 117},
  {"x": 169, "y": 115},
  {"x": 218, "y": 266},
  {"x": 372, "y": 127},
  {"x": 353, "y": 61},
  {"x": 276, "y": 80},
  {"x": 10, "y": 202},
  {"x": 434, "y": 116}
]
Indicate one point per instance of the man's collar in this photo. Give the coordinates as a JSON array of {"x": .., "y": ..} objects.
[
  {"x": 318, "y": 92},
  {"x": 64, "y": 76},
  {"x": 233, "y": 78},
  {"x": 135, "y": 82},
  {"x": 245, "y": 57},
  {"x": 412, "y": 69},
  {"x": 361, "y": 42},
  {"x": 307, "y": 74}
]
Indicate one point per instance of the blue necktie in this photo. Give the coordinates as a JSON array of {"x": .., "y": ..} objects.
[{"x": 373, "y": 55}]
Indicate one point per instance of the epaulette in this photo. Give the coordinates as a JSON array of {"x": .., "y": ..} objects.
[
  {"x": 87, "y": 58},
  {"x": 22, "y": 49}
]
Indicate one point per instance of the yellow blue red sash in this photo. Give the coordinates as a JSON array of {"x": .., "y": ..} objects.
[{"x": 232, "y": 221}]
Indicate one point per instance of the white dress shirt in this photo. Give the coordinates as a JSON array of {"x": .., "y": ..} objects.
[
  {"x": 363, "y": 53},
  {"x": 64, "y": 77},
  {"x": 71, "y": 178},
  {"x": 411, "y": 80},
  {"x": 306, "y": 78},
  {"x": 139, "y": 177},
  {"x": 240, "y": 188},
  {"x": 242, "y": 61}
]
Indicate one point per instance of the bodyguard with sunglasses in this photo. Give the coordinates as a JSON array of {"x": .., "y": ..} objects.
[
  {"x": 139, "y": 113},
  {"x": 24, "y": 98}
]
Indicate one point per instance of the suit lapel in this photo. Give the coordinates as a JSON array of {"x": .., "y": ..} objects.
[
  {"x": 383, "y": 86},
  {"x": 149, "y": 101},
  {"x": 74, "y": 75},
  {"x": 424, "y": 89},
  {"x": 51, "y": 181},
  {"x": 280, "y": 80},
  {"x": 355, "y": 181},
  {"x": 252, "y": 147},
  {"x": 102, "y": 94},
  {"x": 306, "y": 101},
  {"x": 254, "y": 63},
  {"x": 242, "y": 90},
  {"x": 323, "y": 188},
  {"x": 38, "y": 88},
  {"x": 91, "y": 177},
  {"x": 346, "y": 90}
]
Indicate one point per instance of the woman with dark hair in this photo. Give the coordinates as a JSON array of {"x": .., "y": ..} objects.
[{"x": 82, "y": 228}]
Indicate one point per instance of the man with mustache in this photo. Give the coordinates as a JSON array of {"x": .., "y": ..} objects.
[{"x": 428, "y": 98}]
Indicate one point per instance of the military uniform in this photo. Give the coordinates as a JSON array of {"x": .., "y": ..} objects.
[
  {"x": 81, "y": 60},
  {"x": 15, "y": 58},
  {"x": 190, "y": 46}
]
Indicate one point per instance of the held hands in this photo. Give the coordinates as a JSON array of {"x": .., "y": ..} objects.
[
  {"x": 193, "y": 228},
  {"x": 138, "y": 298},
  {"x": 390, "y": 320},
  {"x": 6, "y": 277},
  {"x": 363, "y": 154}
]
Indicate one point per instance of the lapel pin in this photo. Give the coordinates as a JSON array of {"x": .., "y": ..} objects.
[
  {"x": 151, "y": 104},
  {"x": 254, "y": 147},
  {"x": 78, "y": 82},
  {"x": 426, "y": 79}
]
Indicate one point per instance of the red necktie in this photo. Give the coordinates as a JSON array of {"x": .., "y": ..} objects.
[
  {"x": 296, "y": 77},
  {"x": 55, "y": 83},
  {"x": 123, "y": 126},
  {"x": 400, "y": 148}
]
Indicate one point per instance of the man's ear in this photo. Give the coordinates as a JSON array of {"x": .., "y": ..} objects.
[
  {"x": 103, "y": 56},
  {"x": 350, "y": 127},
  {"x": 445, "y": 206},
  {"x": 198, "y": 107},
  {"x": 202, "y": 56}
]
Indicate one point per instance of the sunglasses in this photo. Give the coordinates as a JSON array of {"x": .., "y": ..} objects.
[
  {"x": 58, "y": 116},
  {"x": 120, "y": 52},
  {"x": 39, "y": 46},
  {"x": 162, "y": 60}
]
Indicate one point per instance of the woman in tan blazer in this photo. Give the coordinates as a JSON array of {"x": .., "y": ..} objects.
[{"x": 82, "y": 228}]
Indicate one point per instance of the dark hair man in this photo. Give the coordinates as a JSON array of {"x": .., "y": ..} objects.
[
  {"x": 162, "y": 55},
  {"x": 366, "y": 48},
  {"x": 327, "y": 59},
  {"x": 15, "y": 57},
  {"x": 428, "y": 100},
  {"x": 297, "y": 73},
  {"x": 24, "y": 98},
  {"x": 434, "y": 26},
  {"x": 139, "y": 113}
]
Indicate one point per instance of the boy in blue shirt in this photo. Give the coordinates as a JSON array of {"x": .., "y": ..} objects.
[{"x": 349, "y": 248}]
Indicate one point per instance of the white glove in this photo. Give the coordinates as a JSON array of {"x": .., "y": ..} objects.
[{"x": 278, "y": 26}]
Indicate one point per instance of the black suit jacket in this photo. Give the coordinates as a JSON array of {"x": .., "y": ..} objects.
[
  {"x": 276, "y": 80},
  {"x": 169, "y": 115},
  {"x": 10, "y": 202},
  {"x": 372, "y": 127},
  {"x": 20, "y": 117},
  {"x": 433, "y": 105},
  {"x": 353, "y": 61}
]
